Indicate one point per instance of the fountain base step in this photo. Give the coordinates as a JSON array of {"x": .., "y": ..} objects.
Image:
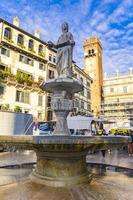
[
  {"x": 61, "y": 182},
  {"x": 61, "y": 168}
]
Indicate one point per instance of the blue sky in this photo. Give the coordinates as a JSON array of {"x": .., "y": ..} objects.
[{"x": 111, "y": 20}]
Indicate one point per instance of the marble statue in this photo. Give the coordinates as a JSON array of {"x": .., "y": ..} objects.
[{"x": 64, "y": 48}]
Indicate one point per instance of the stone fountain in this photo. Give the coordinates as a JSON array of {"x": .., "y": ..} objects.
[{"x": 61, "y": 158}]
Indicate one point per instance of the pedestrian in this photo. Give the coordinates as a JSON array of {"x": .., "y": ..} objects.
[{"x": 130, "y": 146}]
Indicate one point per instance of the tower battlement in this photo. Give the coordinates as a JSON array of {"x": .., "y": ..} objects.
[{"x": 92, "y": 40}]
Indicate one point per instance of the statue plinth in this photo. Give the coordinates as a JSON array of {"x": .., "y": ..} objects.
[{"x": 63, "y": 89}]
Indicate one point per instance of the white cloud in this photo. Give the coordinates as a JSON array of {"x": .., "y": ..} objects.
[{"x": 83, "y": 24}]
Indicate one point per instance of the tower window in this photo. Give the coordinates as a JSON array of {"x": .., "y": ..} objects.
[
  {"x": 92, "y": 51},
  {"x": 89, "y": 51}
]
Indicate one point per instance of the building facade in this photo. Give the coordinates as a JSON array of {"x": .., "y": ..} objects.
[
  {"x": 26, "y": 61},
  {"x": 93, "y": 67},
  {"x": 118, "y": 98}
]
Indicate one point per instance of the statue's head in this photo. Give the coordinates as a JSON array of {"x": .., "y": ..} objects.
[{"x": 64, "y": 27}]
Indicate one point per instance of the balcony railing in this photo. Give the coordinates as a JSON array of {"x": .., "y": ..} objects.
[{"x": 11, "y": 79}]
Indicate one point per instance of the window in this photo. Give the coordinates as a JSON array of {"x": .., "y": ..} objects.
[
  {"x": 40, "y": 49},
  {"x": 22, "y": 58},
  {"x": 89, "y": 51},
  {"x": 26, "y": 60},
  {"x": 82, "y": 104},
  {"x": 30, "y": 46},
  {"x": 50, "y": 57},
  {"x": 50, "y": 115},
  {"x": 88, "y": 95},
  {"x": 40, "y": 100},
  {"x": 76, "y": 103},
  {"x": 125, "y": 89},
  {"x": 29, "y": 61},
  {"x": 111, "y": 89},
  {"x": 1, "y": 90},
  {"x": 88, "y": 107},
  {"x": 41, "y": 66},
  {"x": 23, "y": 97},
  {"x": 48, "y": 101},
  {"x": 82, "y": 92},
  {"x": 81, "y": 79},
  {"x": 20, "y": 39},
  {"x": 7, "y": 33},
  {"x": 51, "y": 74},
  {"x": 75, "y": 75},
  {"x": 92, "y": 51},
  {"x": 54, "y": 60},
  {"x": 40, "y": 116},
  {"x": 5, "y": 51},
  {"x": 88, "y": 84}
]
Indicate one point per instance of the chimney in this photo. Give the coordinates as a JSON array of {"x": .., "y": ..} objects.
[
  {"x": 130, "y": 70},
  {"x": 117, "y": 72},
  {"x": 105, "y": 74},
  {"x": 16, "y": 21},
  {"x": 37, "y": 33}
]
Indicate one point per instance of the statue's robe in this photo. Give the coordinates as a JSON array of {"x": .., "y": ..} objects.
[{"x": 64, "y": 54}]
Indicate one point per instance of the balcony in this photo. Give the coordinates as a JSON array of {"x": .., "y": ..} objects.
[{"x": 26, "y": 82}]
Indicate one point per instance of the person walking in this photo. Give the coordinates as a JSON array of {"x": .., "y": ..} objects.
[{"x": 130, "y": 146}]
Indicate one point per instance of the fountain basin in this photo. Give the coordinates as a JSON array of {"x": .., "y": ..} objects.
[
  {"x": 61, "y": 160},
  {"x": 62, "y": 83}
]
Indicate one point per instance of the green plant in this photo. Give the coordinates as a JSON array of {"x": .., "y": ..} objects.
[
  {"x": 19, "y": 77},
  {"x": 41, "y": 54},
  {"x": 21, "y": 45},
  {"x": 17, "y": 109},
  {"x": 24, "y": 78},
  {"x": 31, "y": 50},
  {"x": 27, "y": 79},
  {"x": 5, "y": 107},
  {"x": 6, "y": 73},
  {"x": 8, "y": 39}
]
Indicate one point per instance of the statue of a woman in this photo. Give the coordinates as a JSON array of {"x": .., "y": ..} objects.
[{"x": 64, "y": 48}]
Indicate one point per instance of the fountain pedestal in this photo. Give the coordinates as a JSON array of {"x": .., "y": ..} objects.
[
  {"x": 63, "y": 89},
  {"x": 61, "y": 167}
]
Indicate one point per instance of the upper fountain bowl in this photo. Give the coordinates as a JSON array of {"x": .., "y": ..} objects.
[{"x": 62, "y": 83}]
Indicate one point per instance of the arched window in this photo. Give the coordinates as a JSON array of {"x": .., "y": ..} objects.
[
  {"x": 89, "y": 51},
  {"x": 92, "y": 51},
  {"x": 7, "y": 33},
  {"x": 40, "y": 49},
  {"x": 20, "y": 39},
  {"x": 30, "y": 46}
]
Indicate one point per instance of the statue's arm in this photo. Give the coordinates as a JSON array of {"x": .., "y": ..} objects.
[{"x": 52, "y": 45}]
